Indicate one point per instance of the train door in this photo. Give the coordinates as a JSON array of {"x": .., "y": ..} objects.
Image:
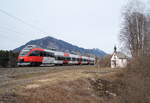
[{"x": 66, "y": 58}]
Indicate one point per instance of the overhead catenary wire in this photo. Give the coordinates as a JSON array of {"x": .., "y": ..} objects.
[
  {"x": 6, "y": 37},
  {"x": 19, "y": 34},
  {"x": 22, "y": 21}
]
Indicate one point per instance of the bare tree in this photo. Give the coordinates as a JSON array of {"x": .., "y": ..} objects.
[
  {"x": 134, "y": 31},
  {"x": 147, "y": 37}
]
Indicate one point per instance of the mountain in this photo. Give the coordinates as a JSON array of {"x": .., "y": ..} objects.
[{"x": 60, "y": 45}]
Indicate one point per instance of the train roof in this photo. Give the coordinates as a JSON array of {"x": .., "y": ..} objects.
[
  {"x": 75, "y": 56},
  {"x": 57, "y": 53}
]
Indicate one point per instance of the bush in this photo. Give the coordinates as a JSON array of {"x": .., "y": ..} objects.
[
  {"x": 136, "y": 82},
  {"x": 4, "y": 61},
  {"x": 8, "y": 58},
  {"x": 105, "y": 61}
]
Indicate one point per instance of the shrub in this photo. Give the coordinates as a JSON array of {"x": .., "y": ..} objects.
[
  {"x": 136, "y": 82},
  {"x": 105, "y": 61},
  {"x": 8, "y": 58}
]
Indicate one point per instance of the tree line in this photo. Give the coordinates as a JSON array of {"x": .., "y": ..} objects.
[{"x": 8, "y": 58}]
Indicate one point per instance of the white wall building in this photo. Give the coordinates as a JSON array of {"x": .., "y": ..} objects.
[{"x": 118, "y": 60}]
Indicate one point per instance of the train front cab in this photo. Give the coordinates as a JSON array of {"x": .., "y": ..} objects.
[{"x": 35, "y": 57}]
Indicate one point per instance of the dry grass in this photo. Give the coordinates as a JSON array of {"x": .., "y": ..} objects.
[
  {"x": 64, "y": 86},
  {"x": 136, "y": 85},
  {"x": 77, "y": 91}
]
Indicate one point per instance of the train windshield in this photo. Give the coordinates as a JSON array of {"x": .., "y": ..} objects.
[{"x": 24, "y": 52}]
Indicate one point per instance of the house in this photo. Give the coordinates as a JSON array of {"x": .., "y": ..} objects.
[{"x": 118, "y": 59}]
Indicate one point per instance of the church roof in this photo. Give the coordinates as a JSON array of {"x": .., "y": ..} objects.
[{"x": 121, "y": 55}]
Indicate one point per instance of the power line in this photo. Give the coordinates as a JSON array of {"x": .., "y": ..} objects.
[
  {"x": 7, "y": 37},
  {"x": 11, "y": 30},
  {"x": 22, "y": 21}
]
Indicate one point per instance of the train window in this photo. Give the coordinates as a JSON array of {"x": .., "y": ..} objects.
[
  {"x": 41, "y": 53},
  {"x": 35, "y": 53},
  {"x": 67, "y": 58},
  {"x": 44, "y": 54},
  {"x": 59, "y": 58},
  {"x": 73, "y": 59},
  {"x": 56, "y": 58},
  {"x": 47, "y": 54},
  {"x": 78, "y": 59},
  {"x": 24, "y": 52},
  {"x": 51, "y": 54}
]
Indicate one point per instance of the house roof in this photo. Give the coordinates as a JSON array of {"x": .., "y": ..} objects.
[{"x": 121, "y": 55}]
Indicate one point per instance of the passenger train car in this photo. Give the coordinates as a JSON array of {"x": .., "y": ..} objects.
[{"x": 32, "y": 55}]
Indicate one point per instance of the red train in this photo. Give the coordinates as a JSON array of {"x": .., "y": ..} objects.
[{"x": 33, "y": 56}]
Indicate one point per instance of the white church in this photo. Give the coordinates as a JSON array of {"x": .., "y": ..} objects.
[{"x": 118, "y": 59}]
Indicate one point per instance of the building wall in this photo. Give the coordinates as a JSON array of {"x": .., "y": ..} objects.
[{"x": 118, "y": 63}]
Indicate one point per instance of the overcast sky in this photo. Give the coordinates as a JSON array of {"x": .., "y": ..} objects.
[{"x": 85, "y": 23}]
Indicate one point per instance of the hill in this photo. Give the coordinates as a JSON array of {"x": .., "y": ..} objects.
[{"x": 60, "y": 45}]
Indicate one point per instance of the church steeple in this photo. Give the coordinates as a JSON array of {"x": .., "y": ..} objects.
[{"x": 115, "y": 49}]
